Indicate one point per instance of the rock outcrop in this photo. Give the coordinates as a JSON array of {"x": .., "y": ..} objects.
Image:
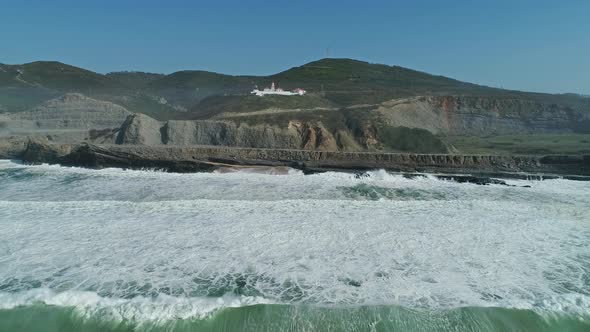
[
  {"x": 191, "y": 159},
  {"x": 314, "y": 137},
  {"x": 229, "y": 134},
  {"x": 13, "y": 147},
  {"x": 140, "y": 129},
  {"x": 453, "y": 115},
  {"x": 44, "y": 152}
]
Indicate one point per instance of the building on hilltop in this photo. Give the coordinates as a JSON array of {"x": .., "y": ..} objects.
[{"x": 273, "y": 90}]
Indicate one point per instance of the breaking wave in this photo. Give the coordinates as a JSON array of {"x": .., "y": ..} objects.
[{"x": 276, "y": 250}]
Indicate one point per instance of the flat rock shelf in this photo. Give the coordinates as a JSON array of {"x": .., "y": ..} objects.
[{"x": 209, "y": 158}]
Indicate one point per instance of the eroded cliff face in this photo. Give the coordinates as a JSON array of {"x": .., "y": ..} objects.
[
  {"x": 75, "y": 118},
  {"x": 453, "y": 115},
  {"x": 67, "y": 119},
  {"x": 314, "y": 137},
  {"x": 223, "y": 133},
  {"x": 140, "y": 129}
]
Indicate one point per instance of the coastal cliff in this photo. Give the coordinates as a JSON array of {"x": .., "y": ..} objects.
[
  {"x": 139, "y": 129},
  {"x": 455, "y": 115},
  {"x": 413, "y": 125}
]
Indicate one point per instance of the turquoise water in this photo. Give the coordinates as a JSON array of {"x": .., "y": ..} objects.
[{"x": 115, "y": 250}]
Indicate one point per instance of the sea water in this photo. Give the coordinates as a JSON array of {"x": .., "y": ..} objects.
[{"x": 123, "y": 250}]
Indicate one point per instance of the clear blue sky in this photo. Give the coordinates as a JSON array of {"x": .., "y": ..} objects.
[{"x": 534, "y": 45}]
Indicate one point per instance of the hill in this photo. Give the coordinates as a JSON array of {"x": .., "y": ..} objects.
[
  {"x": 28, "y": 85},
  {"x": 54, "y": 75},
  {"x": 338, "y": 83},
  {"x": 134, "y": 79},
  {"x": 347, "y": 82}
]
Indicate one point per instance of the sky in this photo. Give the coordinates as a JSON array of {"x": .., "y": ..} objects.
[{"x": 532, "y": 45}]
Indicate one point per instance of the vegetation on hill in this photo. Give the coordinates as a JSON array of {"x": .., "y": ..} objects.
[
  {"x": 349, "y": 82},
  {"x": 197, "y": 94},
  {"x": 134, "y": 79},
  {"x": 522, "y": 144},
  {"x": 17, "y": 99},
  {"x": 57, "y": 76},
  {"x": 216, "y": 105},
  {"x": 410, "y": 139}
]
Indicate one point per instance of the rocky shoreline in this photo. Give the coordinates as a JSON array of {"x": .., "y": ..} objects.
[{"x": 208, "y": 158}]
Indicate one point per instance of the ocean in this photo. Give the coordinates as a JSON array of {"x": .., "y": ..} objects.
[{"x": 273, "y": 249}]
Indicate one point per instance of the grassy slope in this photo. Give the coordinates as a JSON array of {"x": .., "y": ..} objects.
[
  {"x": 62, "y": 77},
  {"x": 334, "y": 75},
  {"x": 25, "y": 86},
  {"x": 345, "y": 82},
  {"x": 133, "y": 79},
  {"x": 523, "y": 144},
  {"x": 341, "y": 82},
  {"x": 214, "y": 105},
  {"x": 348, "y": 82},
  {"x": 17, "y": 99},
  {"x": 410, "y": 140},
  {"x": 188, "y": 88}
]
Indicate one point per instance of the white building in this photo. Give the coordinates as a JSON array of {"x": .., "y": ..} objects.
[{"x": 277, "y": 91}]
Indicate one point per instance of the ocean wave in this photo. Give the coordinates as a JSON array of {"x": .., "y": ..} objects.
[
  {"x": 75, "y": 311},
  {"x": 159, "y": 308}
]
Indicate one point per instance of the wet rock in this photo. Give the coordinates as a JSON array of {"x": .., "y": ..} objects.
[
  {"x": 42, "y": 152},
  {"x": 472, "y": 179}
]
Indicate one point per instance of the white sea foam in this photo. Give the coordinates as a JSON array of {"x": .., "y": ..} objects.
[
  {"x": 161, "y": 308},
  {"x": 143, "y": 238}
]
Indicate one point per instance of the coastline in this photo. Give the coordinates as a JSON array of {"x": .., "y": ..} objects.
[{"x": 209, "y": 158}]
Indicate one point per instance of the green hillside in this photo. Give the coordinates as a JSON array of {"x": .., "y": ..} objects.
[
  {"x": 349, "y": 82},
  {"x": 214, "y": 105},
  {"x": 195, "y": 79},
  {"x": 347, "y": 74},
  {"x": 134, "y": 79},
  {"x": 195, "y": 94},
  {"x": 339, "y": 82},
  {"x": 189, "y": 87},
  {"x": 57, "y": 76}
]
